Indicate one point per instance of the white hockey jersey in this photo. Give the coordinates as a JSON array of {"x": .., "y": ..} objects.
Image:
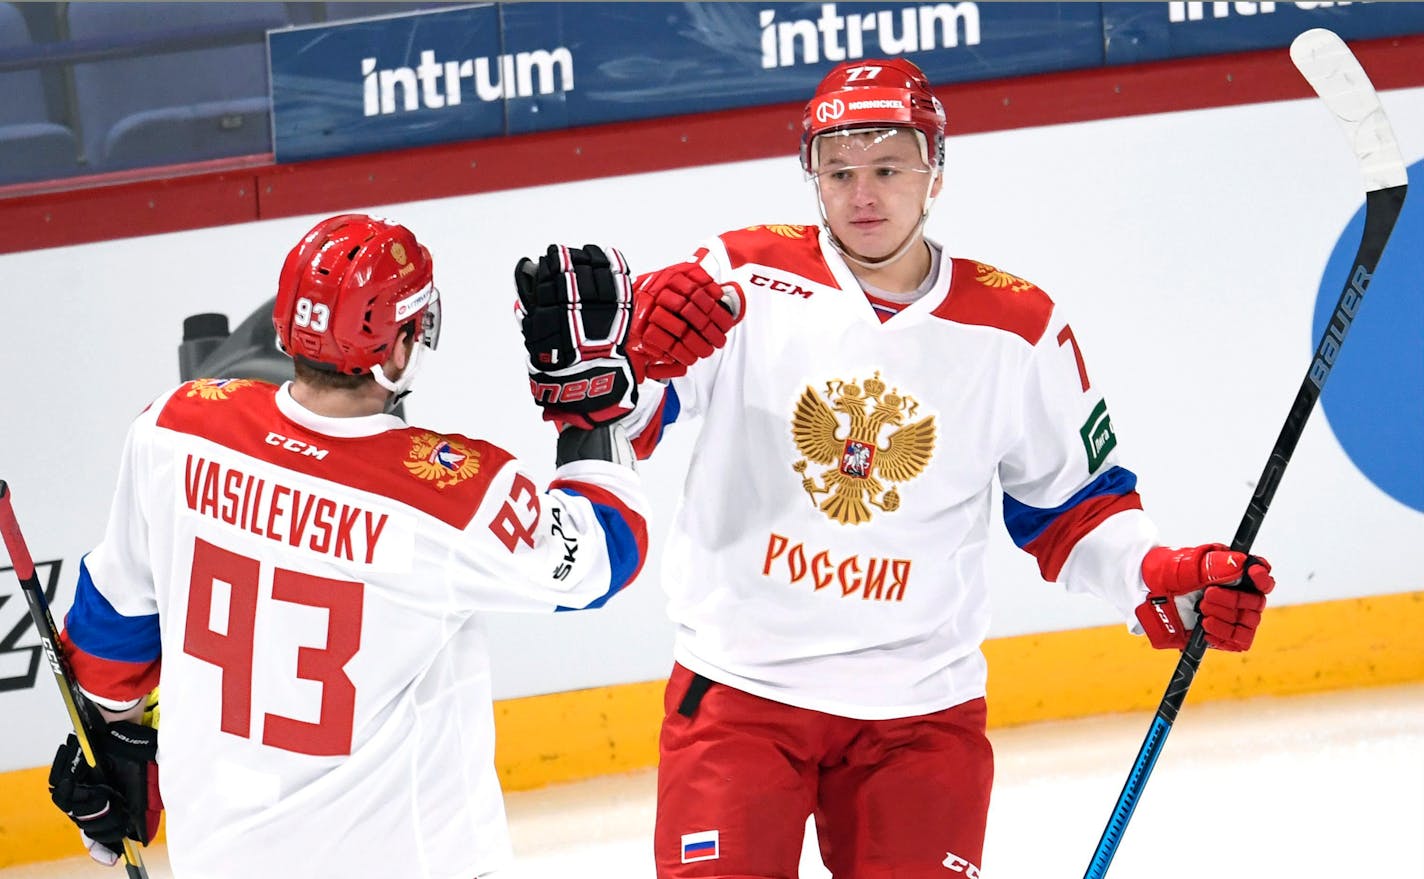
[
  {"x": 828, "y": 551},
  {"x": 307, "y": 591}
]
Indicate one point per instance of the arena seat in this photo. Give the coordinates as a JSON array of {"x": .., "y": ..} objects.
[
  {"x": 32, "y": 146},
  {"x": 178, "y": 104}
]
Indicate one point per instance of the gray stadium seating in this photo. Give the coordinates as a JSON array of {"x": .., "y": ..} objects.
[
  {"x": 180, "y": 104},
  {"x": 32, "y": 146}
]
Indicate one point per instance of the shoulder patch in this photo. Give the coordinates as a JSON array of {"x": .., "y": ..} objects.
[
  {"x": 985, "y": 296},
  {"x": 796, "y": 249},
  {"x": 218, "y": 388},
  {"x": 445, "y": 461},
  {"x": 208, "y": 397},
  {"x": 442, "y": 475}
]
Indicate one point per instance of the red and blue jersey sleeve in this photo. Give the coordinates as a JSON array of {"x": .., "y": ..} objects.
[
  {"x": 1050, "y": 534},
  {"x": 114, "y": 656},
  {"x": 661, "y": 411},
  {"x": 1062, "y": 478},
  {"x": 572, "y": 546},
  {"x": 111, "y": 632},
  {"x": 625, "y": 536}
]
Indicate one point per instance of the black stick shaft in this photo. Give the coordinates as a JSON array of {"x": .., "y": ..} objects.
[
  {"x": 82, "y": 713},
  {"x": 1382, "y": 208}
]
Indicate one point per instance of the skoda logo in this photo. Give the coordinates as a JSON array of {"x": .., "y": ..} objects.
[{"x": 829, "y": 110}]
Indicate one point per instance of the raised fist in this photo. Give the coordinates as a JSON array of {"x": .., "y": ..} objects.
[
  {"x": 575, "y": 311},
  {"x": 680, "y": 316}
]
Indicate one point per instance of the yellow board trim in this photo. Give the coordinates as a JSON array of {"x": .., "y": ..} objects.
[{"x": 563, "y": 737}]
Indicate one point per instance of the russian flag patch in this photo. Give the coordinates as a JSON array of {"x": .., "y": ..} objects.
[{"x": 701, "y": 846}]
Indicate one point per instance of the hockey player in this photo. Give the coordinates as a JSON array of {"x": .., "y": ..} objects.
[
  {"x": 305, "y": 574},
  {"x": 826, "y": 565}
]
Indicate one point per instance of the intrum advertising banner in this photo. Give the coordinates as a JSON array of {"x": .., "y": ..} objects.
[
  {"x": 481, "y": 71},
  {"x": 387, "y": 83},
  {"x": 1135, "y": 32},
  {"x": 494, "y": 69}
]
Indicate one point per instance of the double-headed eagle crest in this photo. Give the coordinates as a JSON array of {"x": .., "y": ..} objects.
[
  {"x": 217, "y": 388},
  {"x": 785, "y": 230},
  {"x": 992, "y": 277},
  {"x": 441, "y": 460},
  {"x": 858, "y": 462}
]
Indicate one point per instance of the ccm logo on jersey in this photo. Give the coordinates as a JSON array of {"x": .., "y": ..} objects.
[
  {"x": 291, "y": 445},
  {"x": 572, "y": 392},
  {"x": 956, "y": 864},
  {"x": 780, "y": 286}
]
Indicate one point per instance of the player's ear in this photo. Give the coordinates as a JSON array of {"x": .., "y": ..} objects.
[{"x": 400, "y": 354}]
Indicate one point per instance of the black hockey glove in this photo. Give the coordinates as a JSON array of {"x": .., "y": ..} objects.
[
  {"x": 575, "y": 309},
  {"x": 121, "y": 799}
]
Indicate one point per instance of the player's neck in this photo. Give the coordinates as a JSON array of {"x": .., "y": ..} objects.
[
  {"x": 901, "y": 276},
  {"x": 369, "y": 399}
]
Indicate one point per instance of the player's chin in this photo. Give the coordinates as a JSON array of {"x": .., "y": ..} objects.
[
  {"x": 870, "y": 248},
  {"x": 863, "y": 237}
]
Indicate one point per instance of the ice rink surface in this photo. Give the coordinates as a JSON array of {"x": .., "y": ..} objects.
[{"x": 1323, "y": 785}]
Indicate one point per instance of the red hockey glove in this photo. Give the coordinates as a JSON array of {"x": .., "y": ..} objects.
[
  {"x": 1206, "y": 582},
  {"x": 575, "y": 310},
  {"x": 680, "y": 315}
]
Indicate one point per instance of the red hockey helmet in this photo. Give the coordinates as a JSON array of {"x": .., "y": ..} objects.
[
  {"x": 348, "y": 288},
  {"x": 875, "y": 93}
]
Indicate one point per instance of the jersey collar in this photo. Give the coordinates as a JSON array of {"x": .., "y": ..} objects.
[
  {"x": 358, "y": 426},
  {"x": 913, "y": 313}
]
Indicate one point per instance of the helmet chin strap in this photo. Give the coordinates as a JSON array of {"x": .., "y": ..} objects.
[
  {"x": 884, "y": 261},
  {"x": 400, "y": 388}
]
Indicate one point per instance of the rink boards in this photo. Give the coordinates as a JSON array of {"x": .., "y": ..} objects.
[{"x": 576, "y": 735}]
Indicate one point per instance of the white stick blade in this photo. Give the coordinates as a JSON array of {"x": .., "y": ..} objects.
[{"x": 1336, "y": 75}]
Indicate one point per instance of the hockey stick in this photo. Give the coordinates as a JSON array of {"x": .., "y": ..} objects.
[
  {"x": 1332, "y": 70},
  {"x": 82, "y": 713}
]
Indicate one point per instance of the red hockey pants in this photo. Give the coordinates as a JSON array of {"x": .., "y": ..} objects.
[{"x": 893, "y": 799}]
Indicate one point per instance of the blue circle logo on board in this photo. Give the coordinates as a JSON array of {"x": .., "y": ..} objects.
[{"x": 1374, "y": 398}]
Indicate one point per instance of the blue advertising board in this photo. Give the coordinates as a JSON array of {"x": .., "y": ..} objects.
[
  {"x": 386, "y": 83},
  {"x": 1136, "y": 32},
  {"x": 644, "y": 60},
  {"x": 473, "y": 72},
  {"x": 490, "y": 69}
]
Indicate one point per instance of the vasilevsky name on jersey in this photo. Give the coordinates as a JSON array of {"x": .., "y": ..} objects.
[
  {"x": 308, "y": 592},
  {"x": 279, "y": 512},
  {"x": 829, "y": 549}
]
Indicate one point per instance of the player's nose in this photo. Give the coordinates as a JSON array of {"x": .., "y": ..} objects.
[{"x": 863, "y": 191}]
